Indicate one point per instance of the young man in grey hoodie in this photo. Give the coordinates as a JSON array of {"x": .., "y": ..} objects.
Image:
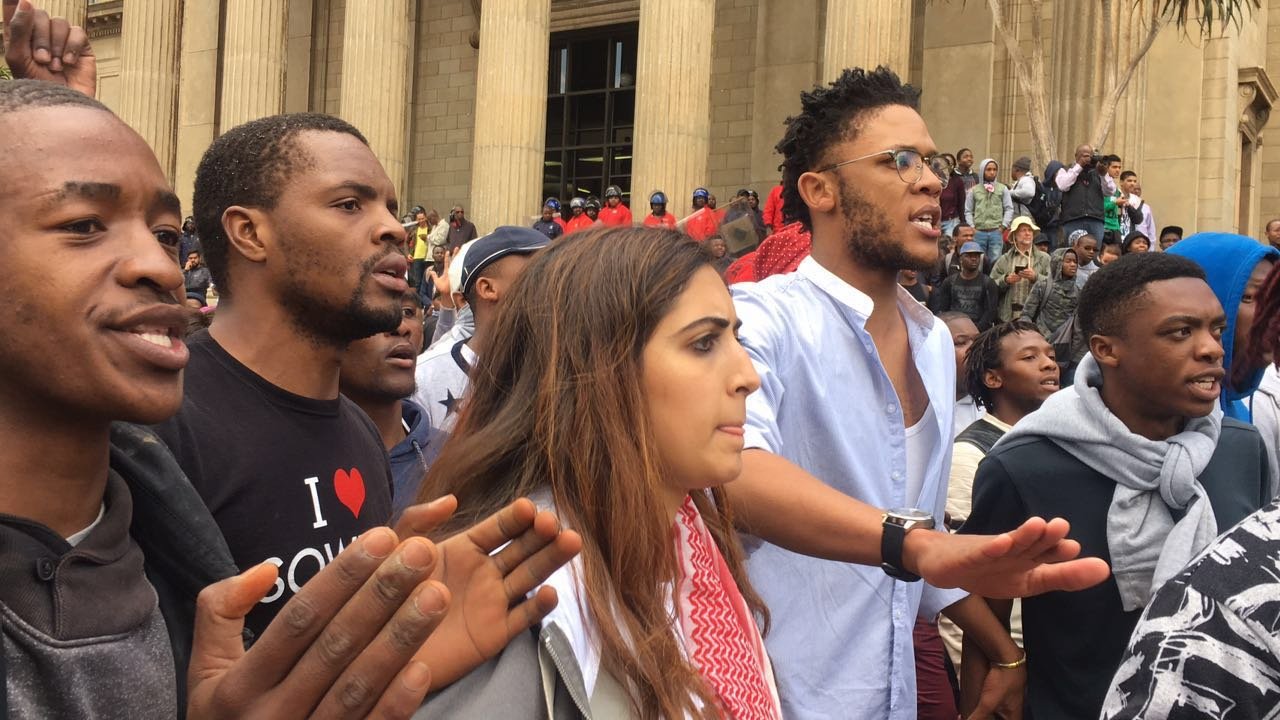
[
  {"x": 1137, "y": 456},
  {"x": 988, "y": 207}
]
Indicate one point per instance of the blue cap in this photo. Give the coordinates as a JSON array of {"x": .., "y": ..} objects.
[
  {"x": 970, "y": 247},
  {"x": 701, "y": 193},
  {"x": 506, "y": 240},
  {"x": 552, "y": 203}
]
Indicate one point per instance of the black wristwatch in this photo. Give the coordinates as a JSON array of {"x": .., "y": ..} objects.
[{"x": 897, "y": 523}]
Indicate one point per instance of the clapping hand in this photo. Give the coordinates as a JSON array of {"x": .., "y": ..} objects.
[
  {"x": 342, "y": 647},
  {"x": 491, "y": 587}
]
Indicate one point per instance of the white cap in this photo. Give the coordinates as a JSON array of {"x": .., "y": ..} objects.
[{"x": 455, "y": 266}]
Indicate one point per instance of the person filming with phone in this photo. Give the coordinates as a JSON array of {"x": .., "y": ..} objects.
[{"x": 1017, "y": 270}]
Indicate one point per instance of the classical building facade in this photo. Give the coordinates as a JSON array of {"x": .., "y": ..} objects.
[{"x": 500, "y": 103}]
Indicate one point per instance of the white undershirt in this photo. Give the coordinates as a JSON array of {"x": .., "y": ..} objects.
[
  {"x": 922, "y": 442},
  {"x": 75, "y": 538}
]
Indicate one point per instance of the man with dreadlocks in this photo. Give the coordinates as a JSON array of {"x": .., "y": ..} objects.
[{"x": 1009, "y": 370}]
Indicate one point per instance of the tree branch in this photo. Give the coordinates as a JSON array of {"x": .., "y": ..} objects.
[{"x": 1107, "y": 108}]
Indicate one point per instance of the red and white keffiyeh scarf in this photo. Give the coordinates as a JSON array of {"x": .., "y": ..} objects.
[{"x": 718, "y": 630}]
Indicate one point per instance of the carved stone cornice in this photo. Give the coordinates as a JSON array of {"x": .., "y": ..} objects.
[{"x": 105, "y": 19}]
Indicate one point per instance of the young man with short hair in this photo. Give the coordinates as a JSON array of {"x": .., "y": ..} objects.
[
  {"x": 299, "y": 226},
  {"x": 1205, "y": 646},
  {"x": 378, "y": 376},
  {"x": 116, "y": 576},
  {"x": 968, "y": 291},
  {"x": 1273, "y": 233},
  {"x": 488, "y": 268},
  {"x": 366, "y": 617},
  {"x": 1137, "y": 456}
]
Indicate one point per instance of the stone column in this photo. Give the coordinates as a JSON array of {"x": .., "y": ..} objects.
[
  {"x": 253, "y": 57},
  {"x": 197, "y": 92},
  {"x": 867, "y": 33},
  {"x": 511, "y": 112},
  {"x": 673, "y": 102},
  {"x": 149, "y": 75},
  {"x": 72, "y": 10},
  {"x": 375, "y": 79}
]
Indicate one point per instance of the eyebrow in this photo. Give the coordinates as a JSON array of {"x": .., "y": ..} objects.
[
  {"x": 717, "y": 321},
  {"x": 166, "y": 201},
  {"x": 85, "y": 190},
  {"x": 366, "y": 192},
  {"x": 1193, "y": 320}
]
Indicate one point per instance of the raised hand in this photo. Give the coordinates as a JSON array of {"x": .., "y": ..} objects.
[
  {"x": 1032, "y": 559},
  {"x": 343, "y": 647},
  {"x": 441, "y": 281},
  {"x": 38, "y": 47},
  {"x": 490, "y": 587}
]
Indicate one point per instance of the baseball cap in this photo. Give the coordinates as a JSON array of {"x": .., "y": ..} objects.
[
  {"x": 970, "y": 247},
  {"x": 1020, "y": 221},
  {"x": 485, "y": 251}
]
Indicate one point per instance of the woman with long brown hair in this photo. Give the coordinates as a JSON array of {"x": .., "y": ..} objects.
[{"x": 613, "y": 390}]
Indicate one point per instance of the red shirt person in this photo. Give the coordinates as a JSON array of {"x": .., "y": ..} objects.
[
  {"x": 579, "y": 220},
  {"x": 658, "y": 216},
  {"x": 614, "y": 212},
  {"x": 705, "y": 221},
  {"x": 773, "y": 209}
]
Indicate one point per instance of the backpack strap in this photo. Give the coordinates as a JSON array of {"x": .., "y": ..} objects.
[{"x": 981, "y": 434}]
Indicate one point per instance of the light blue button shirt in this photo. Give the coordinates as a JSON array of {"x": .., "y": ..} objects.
[{"x": 841, "y": 634}]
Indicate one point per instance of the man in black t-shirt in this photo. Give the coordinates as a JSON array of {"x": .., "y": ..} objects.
[
  {"x": 1130, "y": 457},
  {"x": 969, "y": 291},
  {"x": 298, "y": 221}
]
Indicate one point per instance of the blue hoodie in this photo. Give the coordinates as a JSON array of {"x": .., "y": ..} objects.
[
  {"x": 1228, "y": 261},
  {"x": 413, "y": 455}
]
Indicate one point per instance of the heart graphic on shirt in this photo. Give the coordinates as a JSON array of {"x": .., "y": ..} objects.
[{"x": 349, "y": 487}]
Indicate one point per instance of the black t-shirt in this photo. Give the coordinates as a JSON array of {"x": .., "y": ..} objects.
[
  {"x": 1075, "y": 640},
  {"x": 290, "y": 480},
  {"x": 918, "y": 292},
  {"x": 979, "y": 298}
]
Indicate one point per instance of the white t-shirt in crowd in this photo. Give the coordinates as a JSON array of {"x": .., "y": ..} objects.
[{"x": 923, "y": 441}]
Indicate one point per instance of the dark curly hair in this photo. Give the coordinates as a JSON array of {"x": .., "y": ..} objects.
[
  {"x": 1111, "y": 291},
  {"x": 16, "y": 95},
  {"x": 249, "y": 165},
  {"x": 829, "y": 115},
  {"x": 984, "y": 355}
]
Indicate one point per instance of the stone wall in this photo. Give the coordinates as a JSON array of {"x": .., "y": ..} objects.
[
  {"x": 733, "y": 56},
  {"x": 443, "y": 105},
  {"x": 1270, "y": 155}
]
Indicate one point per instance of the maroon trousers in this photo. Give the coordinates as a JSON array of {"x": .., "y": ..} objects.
[{"x": 935, "y": 697}]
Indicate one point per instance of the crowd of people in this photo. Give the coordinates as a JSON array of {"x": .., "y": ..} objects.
[{"x": 625, "y": 470}]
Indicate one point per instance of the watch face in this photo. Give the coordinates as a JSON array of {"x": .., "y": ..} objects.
[{"x": 910, "y": 514}]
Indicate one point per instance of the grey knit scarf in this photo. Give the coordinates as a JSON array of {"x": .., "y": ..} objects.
[{"x": 1153, "y": 478}]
